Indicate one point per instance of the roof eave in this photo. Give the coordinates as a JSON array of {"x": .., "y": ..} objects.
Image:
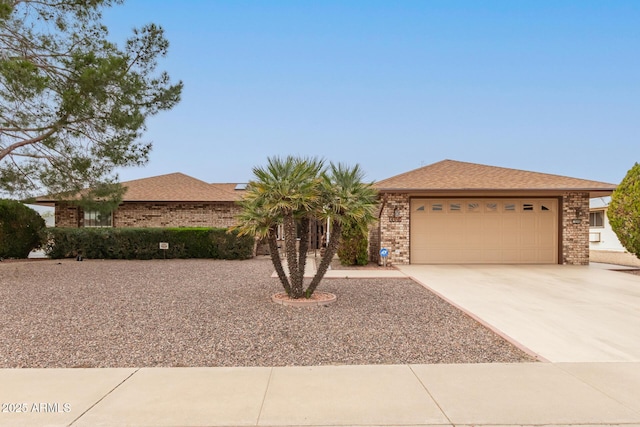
[
  {"x": 413, "y": 190},
  {"x": 488, "y": 192}
]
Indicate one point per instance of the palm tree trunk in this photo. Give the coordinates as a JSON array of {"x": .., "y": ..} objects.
[
  {"x": 332, "y": 247},
  {"x": 295, "y": 276},
  {"x": 304, "y": 245},
  {"x": 277, "y": 262}
]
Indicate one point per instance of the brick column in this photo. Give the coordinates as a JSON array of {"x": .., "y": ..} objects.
[
  {"x": 394, "y": 227},
  {"x": 575, "y": 228}
]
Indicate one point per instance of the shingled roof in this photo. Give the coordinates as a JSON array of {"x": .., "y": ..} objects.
[
  {"x": 178, "y": 187},
  {"x": 173, "y": 187},
  {"x": 455, "y": 176}
]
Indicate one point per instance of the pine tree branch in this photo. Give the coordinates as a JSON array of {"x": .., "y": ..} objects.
[{"x": 11, "y": 148}]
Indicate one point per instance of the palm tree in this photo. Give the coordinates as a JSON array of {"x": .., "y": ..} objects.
[
  {"x": 291, "y": 191},
  {"x": 254, "y": 220},
  {"x": 287, "y": 191},
  {"x": 347, "y": 199}
]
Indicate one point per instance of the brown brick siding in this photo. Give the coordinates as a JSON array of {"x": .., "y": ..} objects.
[
  {"x": 394, "y": 230},
  {"x": 221, "y": 214},
  {"x": 575, "y": 236},
  {"x": 67, "y": 215}
]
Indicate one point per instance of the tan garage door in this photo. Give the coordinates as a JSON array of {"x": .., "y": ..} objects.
[{"x": 484, "y": 231}]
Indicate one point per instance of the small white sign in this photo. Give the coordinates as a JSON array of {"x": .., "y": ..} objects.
[{"x": 164, "y": 245}]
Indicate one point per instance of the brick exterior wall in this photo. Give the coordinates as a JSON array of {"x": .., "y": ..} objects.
[
  {"x": 394, "y": 230},
  {"x": 67, "y": 215},
  {"x": 220, "y": 214},
  {"x": 575, "y": 236}
]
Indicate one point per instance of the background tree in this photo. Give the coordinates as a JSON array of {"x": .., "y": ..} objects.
[
  {"x": 73, "y": 105},
  {"x": 624, "y": 211},
  {"x": 21, "y": 229},
  {"x": 291, "y": 191}
]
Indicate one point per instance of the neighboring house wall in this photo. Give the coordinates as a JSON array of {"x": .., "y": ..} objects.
[
  {"x": 608, "y": 250},
  {"x": 608, "y": 239},
  {"x": 221, "y": 215},
  {"x": 575, "y": 228}
]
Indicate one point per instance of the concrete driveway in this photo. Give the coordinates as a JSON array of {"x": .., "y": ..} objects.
[{"x": 561, "y": 313}]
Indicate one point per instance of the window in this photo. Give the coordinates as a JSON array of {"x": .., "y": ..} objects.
[
  {"x": 420, "y": 208},
  {"x": 510, "y": 207},
  {"x": 473, "y": 207},
  {"x": 455, "y": 207},
  {"x": 527, "y": 206},
  {"x": 596, "y": 219},
  {"x": 492, "y": 207},
  {"x": 97, "y": 219},
  {"x": 436, "y": 207}
]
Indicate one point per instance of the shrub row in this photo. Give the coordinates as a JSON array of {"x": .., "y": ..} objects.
[{"x": 143, "y": 243}]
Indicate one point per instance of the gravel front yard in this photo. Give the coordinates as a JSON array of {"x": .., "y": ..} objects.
[{"x": 56, "y": 314}]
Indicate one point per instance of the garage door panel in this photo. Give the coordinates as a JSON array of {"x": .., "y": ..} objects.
[
  {"x": 489, "y": 255},
  {"x": 529, "y": 255},
  {"x": 475, "y": 238},
  {"x": 476, "y": 256},
  {"x": 529, "y": 220},
  {"x": 547, "y": 241},
  {"x": 484, "y": 231},
  {"x": 510, "y": 256}
]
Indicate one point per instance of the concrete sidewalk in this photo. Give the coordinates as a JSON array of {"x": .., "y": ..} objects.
[{"x": 383, "y": 395}]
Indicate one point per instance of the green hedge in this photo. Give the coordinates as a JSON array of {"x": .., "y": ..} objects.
[
  {"x": 143, "y": 243},
  {"x": 21, "y": 229}
]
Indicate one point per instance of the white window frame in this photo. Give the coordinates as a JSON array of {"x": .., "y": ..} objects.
[
  {"x": 596, "y": 214},
  {"x": 91, "y": 220}
]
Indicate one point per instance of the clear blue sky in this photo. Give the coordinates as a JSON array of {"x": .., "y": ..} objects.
[{"x": 547, "y": 86}]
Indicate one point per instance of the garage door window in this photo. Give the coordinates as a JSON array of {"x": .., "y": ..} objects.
[
  {"x": 492, "y": 207},
  {"x": 436, "y": 207},
  {"x": 473, "y": 207},
  {"x": 455, "y": 207},
  {"x": 527, "y": 206},
  {"x": 510, "y": 207}
]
